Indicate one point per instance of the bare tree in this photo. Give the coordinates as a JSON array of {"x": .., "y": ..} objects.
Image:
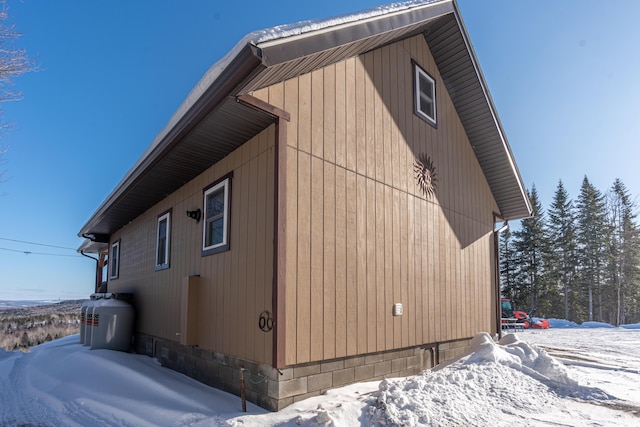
[{"x": 13, "y": 63}]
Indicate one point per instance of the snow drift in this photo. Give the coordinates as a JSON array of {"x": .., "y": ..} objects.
[
  {"x": 480, "y": 387},
  {"x": 514, "y": 382}
]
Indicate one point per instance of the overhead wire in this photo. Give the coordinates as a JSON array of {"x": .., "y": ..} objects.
[
  {"x": 37, "y": 253},
  {"x": 37, "y": 244}
]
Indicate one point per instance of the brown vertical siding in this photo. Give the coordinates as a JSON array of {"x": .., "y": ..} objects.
[
  {"x": 360, "y": 235},
  {"x": 388, "y": 270},
  {"x": 351, "y": 261},
  {"x": 329, "y": 270},
  {"x": 379, "y": 292},
  {"x": 235, "y": 286},
  {"x": 291, "y": 295},
  {"x": 316, "y": 257},
  {"x": 302, "y": 342},
  {"x": 361, "y": 232}
]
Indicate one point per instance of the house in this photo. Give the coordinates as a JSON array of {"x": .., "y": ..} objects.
[{"x": 320, "y": 210}]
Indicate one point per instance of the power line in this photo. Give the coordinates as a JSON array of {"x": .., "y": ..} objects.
[
  {"x": 37, "y": 244},
  {"x": 36, "y": 253}
]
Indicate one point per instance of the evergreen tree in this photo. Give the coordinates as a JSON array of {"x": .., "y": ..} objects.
[
  {"x": 531, "y": 245},
  {"x": 24, "y": 341},
  {"x": 624, "y": 254},
  {"x": 591, "y": 235},
  {"x": 508, "y": 265},
  {"x": 562, "y": 260}
]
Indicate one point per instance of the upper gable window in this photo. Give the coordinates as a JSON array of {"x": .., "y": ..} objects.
[
  {"x": 425, "y": 96},
  {"x": 163, "y": 234},
  {"x": 215, "y": 227}
]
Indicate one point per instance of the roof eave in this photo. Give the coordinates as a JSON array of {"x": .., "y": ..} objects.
[
  {"x": 314, "y": 44},
  {"x": 281, "y": 50},
  {"x": 526, "y": 211},
  {"x": 211, "y": 90},
  {"x": 258, "y": 61}
]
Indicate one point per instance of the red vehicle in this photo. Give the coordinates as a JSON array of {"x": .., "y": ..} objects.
[{"x": 520, "y": 318}]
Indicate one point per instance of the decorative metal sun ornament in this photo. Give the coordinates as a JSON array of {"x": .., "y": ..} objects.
[{"x": 426, "y": 174}]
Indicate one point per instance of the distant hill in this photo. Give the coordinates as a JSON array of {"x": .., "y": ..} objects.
[
  {"x": 24, "y": 324},
  {"x": 7, "y": 304}
]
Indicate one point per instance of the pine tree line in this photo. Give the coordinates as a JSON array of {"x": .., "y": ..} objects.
[{"x": 580, "y": 261}]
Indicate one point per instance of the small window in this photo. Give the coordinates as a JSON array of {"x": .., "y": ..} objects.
[
  {"x": 215, "y": 228},
  {"x": 114, "y": 260},
  {"x": 425, "y": 96},
  {"x": 163, "y": 241}
]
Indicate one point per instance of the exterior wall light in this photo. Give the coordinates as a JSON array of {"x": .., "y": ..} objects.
[{"x": 197, "y": 214}]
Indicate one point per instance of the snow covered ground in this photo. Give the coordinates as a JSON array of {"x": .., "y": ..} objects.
[{"x": 588, "y": 376}]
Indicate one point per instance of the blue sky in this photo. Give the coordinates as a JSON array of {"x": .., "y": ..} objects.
[{"x": 563, "y": 76}]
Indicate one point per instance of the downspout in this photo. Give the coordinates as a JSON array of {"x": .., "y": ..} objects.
[
  {"x": 97, "y": 285},
  {"x": 279, "y": 229},
  {"x": 496, "y": 240},
  {"x": 101, "y": 238}
]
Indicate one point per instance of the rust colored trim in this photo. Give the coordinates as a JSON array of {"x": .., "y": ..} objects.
[
  {"x": 259, "y": 104},
  {"x": 279, "y": 243},
  {"x": 279, "y": 227}
]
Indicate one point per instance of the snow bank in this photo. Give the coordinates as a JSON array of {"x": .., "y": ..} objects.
[
  {"x": 633, "y": 326},
  {"x": 505, "y": 384},
  {"x": 65, "y": 383},
  {"x": 563, "y": 323},
  {"x": 478, "y": 387},
  {"x": 595, "y": 325}
]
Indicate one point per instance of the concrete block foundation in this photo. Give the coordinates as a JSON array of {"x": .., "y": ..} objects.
[{"x": 275, "y": 389}]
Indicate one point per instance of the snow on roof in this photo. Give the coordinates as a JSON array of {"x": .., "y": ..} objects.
[
  {"x": 302, "y": 27},
  {"x": 260, "y": 51},
  {"x": 254, "y": 38},
  {"x": 277, "y": 33}
]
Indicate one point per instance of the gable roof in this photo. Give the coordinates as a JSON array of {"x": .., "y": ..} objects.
[{"x": 210, "y": 123}]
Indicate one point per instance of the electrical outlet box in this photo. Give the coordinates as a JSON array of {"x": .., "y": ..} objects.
[{"x": 397, "y": 309}]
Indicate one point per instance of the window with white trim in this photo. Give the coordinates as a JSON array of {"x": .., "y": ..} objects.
[
  {"x": 114, "y": 260},
  {"x": 163, "y": 235},
  {"x": 215, "y": 227},
  {"x": 425, "y": 96}
]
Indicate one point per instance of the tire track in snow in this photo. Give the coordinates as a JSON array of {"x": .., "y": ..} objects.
[
  {"x": 618, "y": 405},
  {"x": 578, "y": 358},
  {"x": 88, "y": 412},
  {"x": 19, "y": 407},
  {"x": 574, "y": 357}
]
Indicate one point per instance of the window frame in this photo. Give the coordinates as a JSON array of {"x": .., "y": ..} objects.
[
  {"x": 114, "y": 260},
  {"x": 417, "y": 94},
  {"x": 223, "y": 183},
  {"x": 167, "y": 249}
]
